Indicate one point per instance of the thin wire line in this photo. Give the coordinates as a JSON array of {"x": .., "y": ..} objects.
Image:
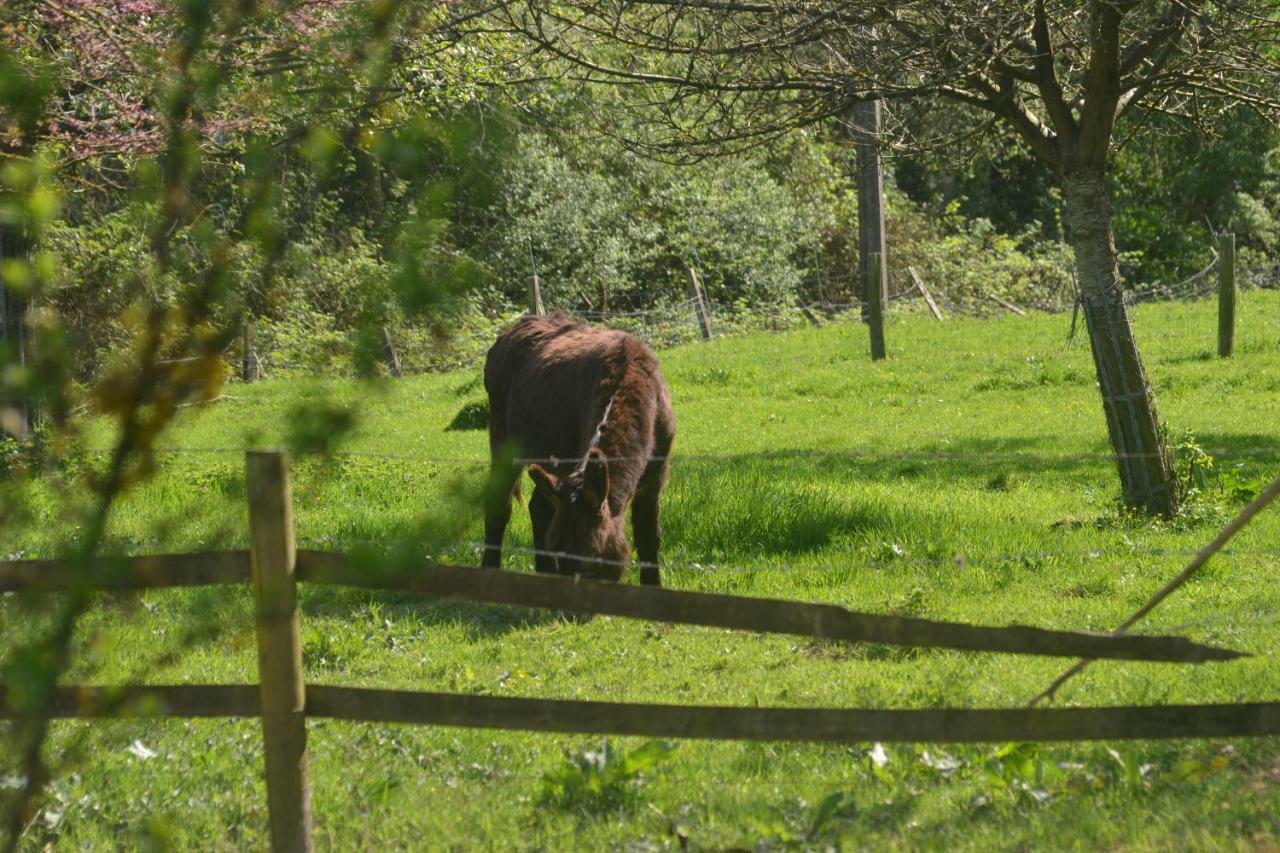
[
  {"x": 958, "y": 560},
  {"x": 795, "y": 454}
]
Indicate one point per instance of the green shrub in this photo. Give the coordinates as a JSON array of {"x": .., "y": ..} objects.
[{"x": 602, "y": 780}]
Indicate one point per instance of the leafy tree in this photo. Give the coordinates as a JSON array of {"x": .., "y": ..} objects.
[
  {"x": 195, "y": 112},
  {"x": 1060, "y": 76}
]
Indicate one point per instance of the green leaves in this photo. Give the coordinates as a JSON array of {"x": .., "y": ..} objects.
[
  {"x": 602, "y": 780},
  {"x": 318, "y": 427}
]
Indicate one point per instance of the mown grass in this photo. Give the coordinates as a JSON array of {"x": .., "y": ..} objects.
[{"x": 965, "y": 478}]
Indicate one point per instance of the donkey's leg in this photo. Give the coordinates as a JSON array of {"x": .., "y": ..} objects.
[
  {"x": 504, "y": 481},
  {"x": 541, "y": 511},
  {"x": 645, "y": 521},
  {"x": 499, "y": 492}
]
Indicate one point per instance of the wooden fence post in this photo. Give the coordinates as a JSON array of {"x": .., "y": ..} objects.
[
  {"x": 808, "y": 314},
  {"x": 389, "y": 352},
  {"x": 866, "y": 130},
  {"x": 1008, "y": 306},
  {"x": 535, "y": 296},
  {"x": 924, "y": 291},
  {"x": 535, "y": 286},
  {"x": 699, "y": 302},
  {"x": 250, "y": 367},
  {"x": 17, "y": 416},
  {"x": 875, "y": 308},
  {"x": 1226, "y": 294},
  {"x": 273, "y": 559}
]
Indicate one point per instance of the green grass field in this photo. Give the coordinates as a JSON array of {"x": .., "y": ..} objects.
[{"x": 965, "y": 478}]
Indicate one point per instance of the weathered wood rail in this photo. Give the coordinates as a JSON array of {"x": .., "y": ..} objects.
[
  {"x": 762, "y": 615},
  {"x": 283, "y": 701},
  {"x": 708, "y": 722}
]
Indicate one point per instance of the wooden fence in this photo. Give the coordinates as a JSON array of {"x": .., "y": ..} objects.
[{"x": 282, "y": 699}]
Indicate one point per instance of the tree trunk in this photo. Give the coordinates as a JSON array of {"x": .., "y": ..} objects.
[{"x": 1137, "y": 433}]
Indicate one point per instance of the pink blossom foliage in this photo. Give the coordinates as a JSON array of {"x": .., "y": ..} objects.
[{"x": 114, "y": 58}]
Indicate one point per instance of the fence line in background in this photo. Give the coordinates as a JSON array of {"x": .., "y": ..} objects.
[{"x": 691, "y": 318}]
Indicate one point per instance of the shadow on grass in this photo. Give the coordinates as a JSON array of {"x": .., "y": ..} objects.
[
  {"x": 475, "y": 621},
  {"x": 1255, "y": 447},
  {"x": 973, "y": 459},
  {"x": 472, "y": 416},
  {"x": 771, "y": 504}
]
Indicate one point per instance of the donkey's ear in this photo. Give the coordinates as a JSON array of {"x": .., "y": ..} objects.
[
  {"x": 545, "y": 482},
  {"x": 595, "y": 478}
]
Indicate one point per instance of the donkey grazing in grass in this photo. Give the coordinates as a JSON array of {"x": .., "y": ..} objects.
[{"x": 588, "y": 411}]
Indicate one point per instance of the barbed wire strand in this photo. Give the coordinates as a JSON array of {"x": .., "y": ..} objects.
[
  {"x": 957, "y": 560},
  {"x": 795, "y": 454}
]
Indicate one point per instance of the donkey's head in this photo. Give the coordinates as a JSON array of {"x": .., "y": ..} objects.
[{"x": 586, "y": 538}]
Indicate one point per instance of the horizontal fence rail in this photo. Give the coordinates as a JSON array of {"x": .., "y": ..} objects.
[
  {"x": 949, "y": 725},
  {"x": 283, "y": 701},
  {"x": 171, "y": 700},
  {"x": 822, "y": 725},
  {"x": 824, "y": 621},
  {"x": 120, "y": 573},
  {"x": 588, "y": 597}
]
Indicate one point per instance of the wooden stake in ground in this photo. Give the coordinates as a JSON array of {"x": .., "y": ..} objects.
[
  {"x": 273, "y": 562},
  {"x": 1007, "y": 305},
  {"x": 871, "y": 241},
  {"x": 808, "y": 315},
  {"x": 876, "y": 320},
  {"x": 535, "y": 286},
  {"x": 1197, "y": 562},
  {"x": 1226, "y": 294},
  {"x": 924, "y": 291},
  {"x": 390, "y": 354},
  {"x": 699, "y": 302},
  {"x": 250, "y": 367},
  {"x": 17, "y": 414},
  {"x": 535, "y": 296}
]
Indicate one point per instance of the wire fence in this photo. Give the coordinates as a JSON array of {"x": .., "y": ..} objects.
[
  {"x": 672, "y": 323},
  {"x": 788, "y": 454},
  {"x": 833, "y": 559},
  {"x": 894, "y": 554}
]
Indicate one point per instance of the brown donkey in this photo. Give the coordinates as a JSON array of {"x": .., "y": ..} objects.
[{"x": 587, "y": 410}]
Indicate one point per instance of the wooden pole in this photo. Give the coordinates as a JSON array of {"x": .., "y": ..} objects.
[
  {"x": 535, "y": 286},
  {"x": 876, "y": 318},
  {"x": 273, "y": 562},
  {"x": 535, "y": 296},
  {"x": 249, "y": 364},
  {"x": 389, "y": 352},
  {"x": 1008, "y": 306},
  {"x": 699, "y": 302},
  {"x": 808, "y": 314},
  {"x": 16, "y": 414},
  {"x": 1226, "y": 294},
  {"x": 924, "y": 291},
  {"x": 871, "y": 239}
]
